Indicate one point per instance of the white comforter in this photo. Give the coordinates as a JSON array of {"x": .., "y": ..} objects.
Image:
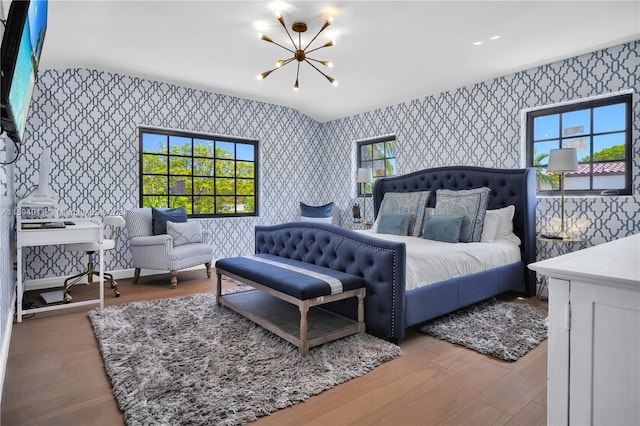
[{"x": 430, "y": 261}]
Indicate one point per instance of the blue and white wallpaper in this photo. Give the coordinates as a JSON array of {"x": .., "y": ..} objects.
[
  {"x": 90, "y": 118},
  {"x": 480, "y": 125}
]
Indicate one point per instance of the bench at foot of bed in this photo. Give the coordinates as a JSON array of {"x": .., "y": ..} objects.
[{"x": 282, "y": 285}]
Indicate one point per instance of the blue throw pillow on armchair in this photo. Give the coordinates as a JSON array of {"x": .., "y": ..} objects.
[
  {"x": 159, "y": 218},
  {"x": 316, "y": 213}
]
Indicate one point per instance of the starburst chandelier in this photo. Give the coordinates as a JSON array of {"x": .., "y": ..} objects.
[{"x": 300, "y": 54}]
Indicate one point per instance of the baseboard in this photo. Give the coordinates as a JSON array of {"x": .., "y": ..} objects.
[
  {"x": 51, "y": 282},
  {"x": 6, "y": 342}
]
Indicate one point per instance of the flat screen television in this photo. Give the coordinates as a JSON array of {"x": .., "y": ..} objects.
[{"x": 21, "y": 49}]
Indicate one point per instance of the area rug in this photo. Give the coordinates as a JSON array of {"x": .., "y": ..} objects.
[
  {"x": 504, "y": 330},
  {"x": 186, "y": 361}
]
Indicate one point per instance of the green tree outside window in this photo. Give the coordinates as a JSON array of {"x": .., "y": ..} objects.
[{"x": 209, "y": 176}]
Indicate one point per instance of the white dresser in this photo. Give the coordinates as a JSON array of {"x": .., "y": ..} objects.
[{"x": 594, "y": 335}]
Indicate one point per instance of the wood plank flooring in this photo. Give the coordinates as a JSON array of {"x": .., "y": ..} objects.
[{"x": 55, "y": 376}]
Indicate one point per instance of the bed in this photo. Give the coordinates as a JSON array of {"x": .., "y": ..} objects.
[{"x": 390, "y": 306}]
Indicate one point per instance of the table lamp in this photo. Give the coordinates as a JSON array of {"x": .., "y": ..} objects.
[
  {"x": 365, "y": 176},
  {"x": 562, "y": 161}
]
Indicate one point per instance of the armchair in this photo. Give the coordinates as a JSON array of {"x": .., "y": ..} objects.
[{"x": 160, "y": 251}]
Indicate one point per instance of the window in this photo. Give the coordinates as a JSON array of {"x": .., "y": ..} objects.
[
  {"x": 208, "y": 175},
  {"x": 378, "y": 154},
  {"x": 599, "y": 129}
]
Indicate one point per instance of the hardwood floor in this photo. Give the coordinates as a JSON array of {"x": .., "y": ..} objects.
[{"x": 55, "y": 376}]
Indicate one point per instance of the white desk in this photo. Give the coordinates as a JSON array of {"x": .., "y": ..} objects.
[{"x": 83, "y": 230}]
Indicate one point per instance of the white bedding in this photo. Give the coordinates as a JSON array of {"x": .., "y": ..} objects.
[{"x": 430, "y": 261}]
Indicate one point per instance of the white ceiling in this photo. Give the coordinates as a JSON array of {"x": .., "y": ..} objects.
[{"x": 386, "y": 52}]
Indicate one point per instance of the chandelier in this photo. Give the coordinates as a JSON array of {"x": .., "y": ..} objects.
[{"x": 300, "y": 54}]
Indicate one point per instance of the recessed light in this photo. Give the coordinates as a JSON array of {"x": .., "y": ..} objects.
[
  {"x": 495, "y": 37},
  {"x": 478, "y": 43}
]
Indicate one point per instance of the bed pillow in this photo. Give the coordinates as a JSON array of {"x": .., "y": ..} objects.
[
  {"x": 394, "y": 223},
  {"x": 469, "y": 203},
  {"x": 184, "y": 232},
  {"x": 413, "y": 203},
  {"x": 159, "y": 218},
  {"x": 490, "y": 227},
  {"x": 442, "y": 228},
  {"x": 322, "y": 214},
  {"x": 502, "y": 219}
]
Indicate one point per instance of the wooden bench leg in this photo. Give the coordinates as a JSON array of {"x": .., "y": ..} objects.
[
  {"x": 361, "y": 324},
  {"x": 218, "y": 287},
  {"x": 136, "y": 275},
  {"x": 304, "y": 341},
  {"x": 174, "y": 279}
]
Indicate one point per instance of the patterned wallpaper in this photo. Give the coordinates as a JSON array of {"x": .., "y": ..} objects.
[
  {"x": 89, "y": 118},
  {"x": 479, "y": 125}
]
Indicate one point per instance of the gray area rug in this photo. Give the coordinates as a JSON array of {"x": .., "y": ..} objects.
[
  {"x": 504, "y": 330},
  {"x": 186, "y": 361}
]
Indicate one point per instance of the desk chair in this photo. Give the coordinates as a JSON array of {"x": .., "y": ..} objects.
[{"x": 113, "y": 225}]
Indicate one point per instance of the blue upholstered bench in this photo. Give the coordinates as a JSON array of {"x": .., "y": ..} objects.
[{"x": 299, "y": 283}]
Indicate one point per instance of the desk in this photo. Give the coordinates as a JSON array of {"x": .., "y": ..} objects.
[{"x": 83, "y": 230}]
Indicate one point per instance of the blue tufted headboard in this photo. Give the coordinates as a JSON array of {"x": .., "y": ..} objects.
[{"x": 508, "y": 186}]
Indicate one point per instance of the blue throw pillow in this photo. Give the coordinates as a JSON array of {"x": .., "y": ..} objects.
[
  {"x": 442, "y": 228},
  {"x": 394, "y": 223},
  {"x": 159, "y": 218},
  {"x": 317, "y": 213}
]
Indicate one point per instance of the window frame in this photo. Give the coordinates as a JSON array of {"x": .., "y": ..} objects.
[
  {"x": 368, "y": 188},
  {"x": 590, "y": 105},
  {"x": 168, "y": 133}
]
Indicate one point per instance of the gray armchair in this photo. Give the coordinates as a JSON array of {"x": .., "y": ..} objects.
[{"x": 159, "y": 251}]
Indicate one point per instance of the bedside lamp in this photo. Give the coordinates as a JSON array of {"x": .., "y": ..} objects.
[
  {"x": 365, "y": 176},
  {"x": 562, "y": 161}
]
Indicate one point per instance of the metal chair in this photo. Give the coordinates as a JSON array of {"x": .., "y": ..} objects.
[{"x": 113, "y": 225}]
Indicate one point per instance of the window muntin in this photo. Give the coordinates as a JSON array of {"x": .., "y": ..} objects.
[
  {"x": 208, "y": 175},
  {"x": 379, "y": 155},
  {"x": 599, "y": 129}
]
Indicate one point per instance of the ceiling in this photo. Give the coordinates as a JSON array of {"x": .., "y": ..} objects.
[{"x": 386, "y": 52}]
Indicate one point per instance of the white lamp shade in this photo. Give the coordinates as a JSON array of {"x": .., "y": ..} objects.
[
  {"x": 563, "y": 160},
  {"x": 365, "y": 175}
]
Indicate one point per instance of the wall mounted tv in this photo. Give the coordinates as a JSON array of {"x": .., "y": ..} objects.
[{"x": 21, "y": 48}]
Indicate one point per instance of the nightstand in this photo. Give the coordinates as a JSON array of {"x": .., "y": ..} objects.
[
  {"x": 358, "y": 225},
  {"x": 558, "y": 247}
]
